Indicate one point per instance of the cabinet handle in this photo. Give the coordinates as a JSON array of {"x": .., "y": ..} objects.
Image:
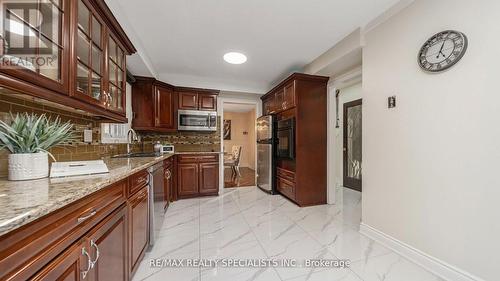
[
  {"x": 84, "y": 218},
  {"x": 141, "y": 180},
  {"x": 89, "y": 263},
  {"x": 93, "y": 244}
]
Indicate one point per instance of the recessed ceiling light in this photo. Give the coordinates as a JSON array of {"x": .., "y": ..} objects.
[{"x": 235, "y": 58}]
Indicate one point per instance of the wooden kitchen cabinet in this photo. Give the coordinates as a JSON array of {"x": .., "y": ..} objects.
[
  {"x": 304, "y": 98},
  {"x": 108, "y": 247},
  {"x": 209, "y": 178},
  {"x": 100, "y": 255},
  {"x": 100, "y": 61},
  {"x": 188, "y": 100},
  {"x": 289, "y": 96},
  {"x": 48, "y": 50},
  {"x": 138, "y": 227},
  {"x": 164, "y": 108},
  {"x": 207, "y": 102},
  {"x": 187, "y": 179},
  {"x": 197, "y": 175},
  {"x": 268, "y": 105},
  {"x": 87, "y": 50},
  {"x": 154, "y": 105},
  {"x": 68, "y": 266},
  {"x": 115, "y": 75},
  {"x": 197, "y": 99}
]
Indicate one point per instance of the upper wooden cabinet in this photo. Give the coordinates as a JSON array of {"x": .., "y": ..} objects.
[
  {"x": 279, "y": 99},
  {"x": 99, "y": 63},
  {"x": 188, "y": 100},
  {"x": 164, "y": 107},
  {"x": 39, "y": 54},
  {"x": 197, "y": 99},
  {"x": 268, "y": 105},
  {"x": 207, "y": 102},
  {"x": 75, "y": 56},
  {"x": 154, "y": 105}
]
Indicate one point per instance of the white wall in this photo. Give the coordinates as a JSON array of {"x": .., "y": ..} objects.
[{"x": 431, "y": 165}]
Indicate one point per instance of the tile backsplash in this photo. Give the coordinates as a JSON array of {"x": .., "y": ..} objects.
[{"x": 16, "y": 103}]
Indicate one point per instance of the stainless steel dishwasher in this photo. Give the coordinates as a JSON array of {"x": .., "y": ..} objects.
[{"x": 156, "y": 201}]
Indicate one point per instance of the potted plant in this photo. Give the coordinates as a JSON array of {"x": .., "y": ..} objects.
[{"x": 28, "y": 138}]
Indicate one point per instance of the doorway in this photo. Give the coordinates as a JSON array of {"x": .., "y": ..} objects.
[
  {"x": 239, "y": 145},
  {"x": 352, "y": 145}
]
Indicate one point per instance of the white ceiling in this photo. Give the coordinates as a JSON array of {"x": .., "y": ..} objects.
[
  {"x": 237, "y": 107},
  {"x": 182, "y": 42}
]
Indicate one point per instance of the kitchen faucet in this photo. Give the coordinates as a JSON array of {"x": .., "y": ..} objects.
[{"x": 131, "y": 137}]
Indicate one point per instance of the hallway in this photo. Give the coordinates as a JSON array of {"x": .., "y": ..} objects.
[{"x": 246, "y": 223}]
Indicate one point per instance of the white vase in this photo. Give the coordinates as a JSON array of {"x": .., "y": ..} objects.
[{"x": 28, "y": 166}]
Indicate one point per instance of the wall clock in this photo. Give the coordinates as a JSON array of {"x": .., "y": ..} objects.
[{"x": 442, "y": 51}]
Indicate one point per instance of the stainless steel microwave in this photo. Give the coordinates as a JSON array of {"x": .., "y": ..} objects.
[{"x": 194, "y": 120}]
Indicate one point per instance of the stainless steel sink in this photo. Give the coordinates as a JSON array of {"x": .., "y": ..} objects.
[{"x": 133, "y": 155}]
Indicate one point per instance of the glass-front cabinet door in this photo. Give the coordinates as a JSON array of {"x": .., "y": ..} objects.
[
  {"x": 115, "y": 95},
  {"x": 34, "y": 42},
  {"x": 89, "y": 55}
]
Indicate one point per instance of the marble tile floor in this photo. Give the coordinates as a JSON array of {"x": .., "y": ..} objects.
[{"x": 246, "y": 223}]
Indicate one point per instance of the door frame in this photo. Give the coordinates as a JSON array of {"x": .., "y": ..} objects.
[
  {"x": 257, "y": 103},
  {"x": 348, "y": 182}
]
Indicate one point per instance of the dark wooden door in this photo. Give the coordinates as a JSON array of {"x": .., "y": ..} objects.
[
  {"x": 167, "y": 185},
  {"x": 352, "y": 145},
  {"x": 164, "y": 108},
  {"x": 68, "y": 266},
  {"x": 209, "y": 178},
  {"x": 207, "y": 102},
  {"x": 289, "y": 96},
  {"x": 187, "y": 179},
  {"x": 188, "y": 100},
  {"x": 108, "y": 247},
  {"x": 138, "y": 226}
]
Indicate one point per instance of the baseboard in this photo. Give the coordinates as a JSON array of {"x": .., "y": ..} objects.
[{"x": 432, "y": 264}]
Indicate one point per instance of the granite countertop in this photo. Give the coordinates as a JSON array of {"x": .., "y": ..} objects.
[{"x": 22, "y": 202}]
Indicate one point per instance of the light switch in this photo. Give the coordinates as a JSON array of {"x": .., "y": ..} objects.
[
  {"x": 391, "y": 102},
  {"x": 87, "y": 136}
]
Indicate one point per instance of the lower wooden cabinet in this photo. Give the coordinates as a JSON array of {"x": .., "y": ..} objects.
[
  {"x": 209, "y": 178},
  {"x": 197, "y": 175},
  {"x": 138, "y": 227},
  {"x": 99, "y": 255},
  {"x": 187, "y": 183},
  {"x": 69, "y": 266},
  {"x": 108, "y": 247}
]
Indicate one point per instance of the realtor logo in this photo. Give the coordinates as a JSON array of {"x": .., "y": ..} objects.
[{"x": 29, "y": 34}]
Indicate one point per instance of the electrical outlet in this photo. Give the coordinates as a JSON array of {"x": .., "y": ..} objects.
[{"x": 87, "y": 136}]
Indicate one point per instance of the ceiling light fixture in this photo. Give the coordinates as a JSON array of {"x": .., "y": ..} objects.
[{"x": 235, "y": 58}]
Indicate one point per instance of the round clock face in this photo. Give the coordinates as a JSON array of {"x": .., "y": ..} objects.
[{"x": 442, "y": 51}]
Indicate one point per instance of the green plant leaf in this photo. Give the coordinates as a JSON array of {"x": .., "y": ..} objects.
[{"x": 31, "y": 133}]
